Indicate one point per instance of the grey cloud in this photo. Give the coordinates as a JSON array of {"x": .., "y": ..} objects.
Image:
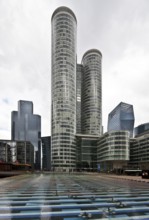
[{"x": 112, "y": 26}]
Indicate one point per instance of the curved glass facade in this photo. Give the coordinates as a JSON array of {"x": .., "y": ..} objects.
[
  {"x": 92, "y": 93},
  {"x": 113, "y": 150},
  {"x": 64, "y": 26}
]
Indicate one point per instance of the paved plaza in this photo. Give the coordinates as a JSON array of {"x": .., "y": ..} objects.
[{"x": 73, "y": 197}]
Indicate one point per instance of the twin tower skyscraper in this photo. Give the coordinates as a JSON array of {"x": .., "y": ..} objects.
[{"x": 76, "y": 91}]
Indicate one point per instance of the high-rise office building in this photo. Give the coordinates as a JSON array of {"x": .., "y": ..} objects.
[
  {"x": 46, "y": 153},
  {"x": 89, "y": 109},
  {"x": 25, "y": 126},
  {"x": 79, "y": 76},
  {"x": 64, "y": 25},
  {"x": 92, "y": 93},
  {"x": 76, "y": 94},
  {"x": 121, "y": 118}
]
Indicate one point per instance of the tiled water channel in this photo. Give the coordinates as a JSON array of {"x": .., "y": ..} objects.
[{"x": 72, "y": 197}]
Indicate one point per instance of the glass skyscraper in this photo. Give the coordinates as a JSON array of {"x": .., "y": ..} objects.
[
  {"x": 121, "y": 118},
  {"x": 25, "y": 126}
]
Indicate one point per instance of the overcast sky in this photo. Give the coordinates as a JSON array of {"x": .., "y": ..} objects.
[{"x": 118, "y": 28}]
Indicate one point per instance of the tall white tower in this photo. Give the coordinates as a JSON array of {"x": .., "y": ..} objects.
[
  {"x": 92, "y": 93},
  {"x": 64, "y": 25}
]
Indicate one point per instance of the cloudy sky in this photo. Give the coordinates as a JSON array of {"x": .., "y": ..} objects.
[{"x": 118, "y": 28}]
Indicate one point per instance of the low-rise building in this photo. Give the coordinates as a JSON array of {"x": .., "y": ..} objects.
[
  {"x": 141, "y": 129},
  {"x": 139, "y": 152},
  {"x": 113, "y": 150},
  {"x": 86, "y": 158},
  {"x": 18, "y": 152}
]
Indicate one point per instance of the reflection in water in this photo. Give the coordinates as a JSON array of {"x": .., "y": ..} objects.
[{"x": 72, "y": 197}]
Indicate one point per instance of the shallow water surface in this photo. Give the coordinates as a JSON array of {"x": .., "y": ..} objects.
[{"x": 72, "y": 197}]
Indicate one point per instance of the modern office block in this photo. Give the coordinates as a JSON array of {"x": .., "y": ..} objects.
[
  {"x": 79, "y": 78},
  {"x": 46, "y": 153},
  {"x": 121, "y": 118},
  {"x": 141, "y": 129},
  {"x": 64, "y": 27},
  {"x": 86, "y": 152},
  {"x": 139, "y": 151},
  {"x": 113, "y": 150},
  {"x": 26, "y": 126},
  {"x": 20, "y": 152},
  {"x": 92, "y": 93}
]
